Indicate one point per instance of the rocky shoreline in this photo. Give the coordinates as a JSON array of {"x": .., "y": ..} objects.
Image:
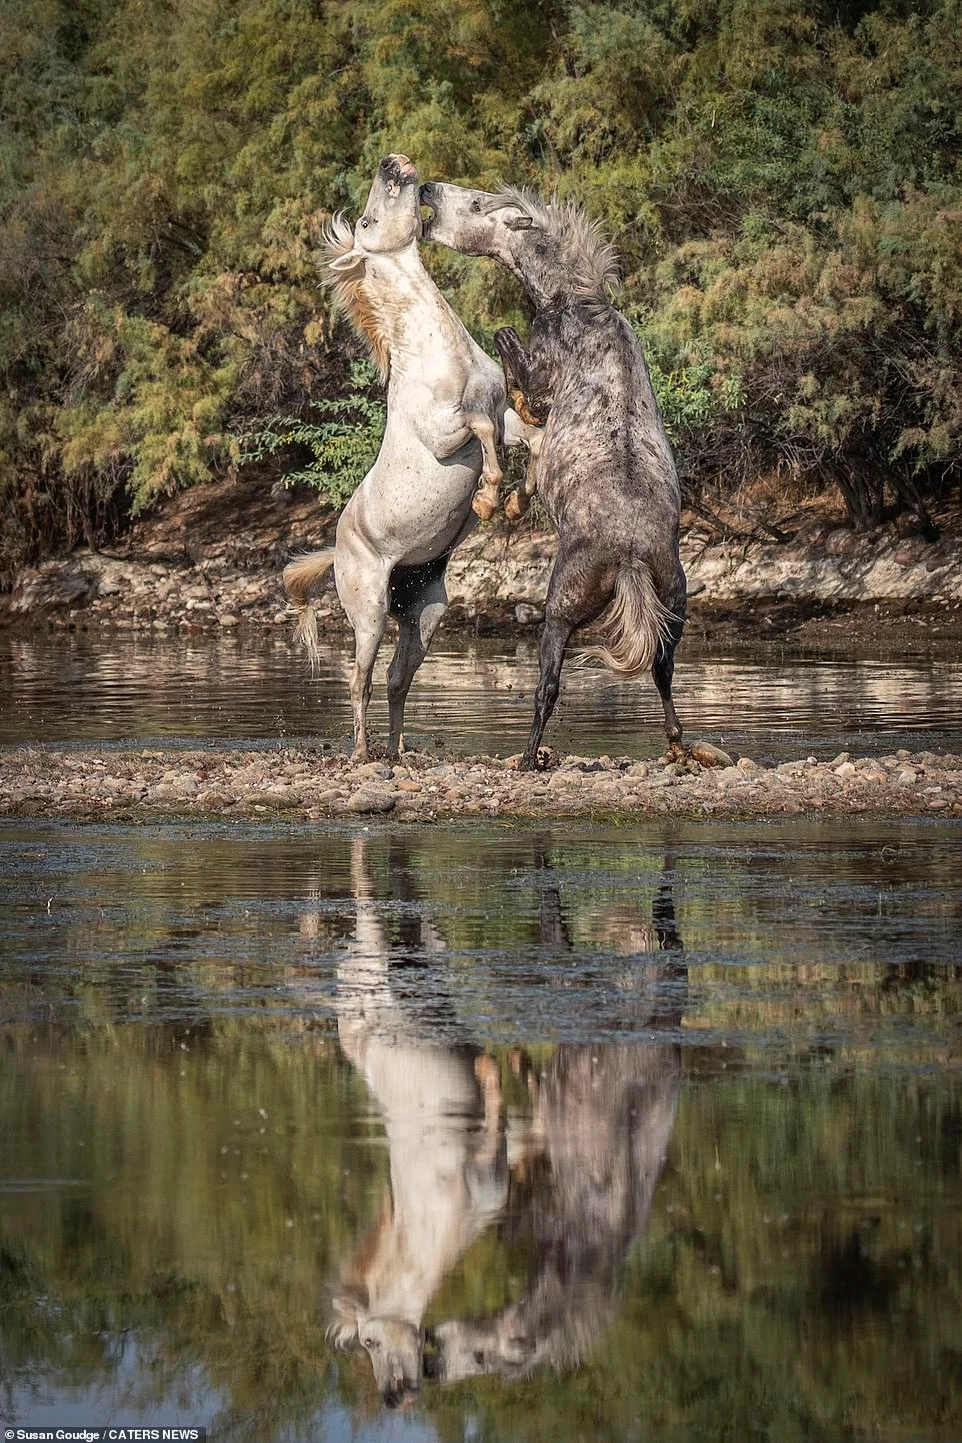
[
  {"x": 211, "y": 560},
  {"x": 299, "y": 785}
]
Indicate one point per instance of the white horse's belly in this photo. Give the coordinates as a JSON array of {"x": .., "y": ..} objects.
[{"x": 408, "y": 509}]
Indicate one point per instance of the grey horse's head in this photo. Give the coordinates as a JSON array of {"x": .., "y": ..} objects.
[
  {"x": 552, "y": 246},
  {"x": 475, "y": 222}
]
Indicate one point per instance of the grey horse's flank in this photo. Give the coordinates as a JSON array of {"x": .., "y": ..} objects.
[
  {"x": 446, "y": 406},
  {"x": 605, "y": 471}
]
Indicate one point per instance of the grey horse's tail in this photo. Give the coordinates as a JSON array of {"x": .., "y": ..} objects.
[
  {"x": 636, "y": 623},
  {"x": 301, "y": 578}
]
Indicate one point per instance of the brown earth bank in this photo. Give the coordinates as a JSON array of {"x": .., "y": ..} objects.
[
  {"x": 210, "y": 559},
  {"x": 300, "y": 785}
]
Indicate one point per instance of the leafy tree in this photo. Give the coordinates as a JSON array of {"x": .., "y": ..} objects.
[{"x": 783, "y": 184}]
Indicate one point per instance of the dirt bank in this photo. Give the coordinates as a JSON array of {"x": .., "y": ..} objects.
[
  {"x": 300, "y": 785},
  {"x": 211, "y": 559}
]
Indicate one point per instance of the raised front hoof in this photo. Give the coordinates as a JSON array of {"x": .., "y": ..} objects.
[
  {"x": 516, "y": 506},
  {"x": 483, "y": 506}
]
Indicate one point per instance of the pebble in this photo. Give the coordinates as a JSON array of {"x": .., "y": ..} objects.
[{"x": 364, "y": 802}]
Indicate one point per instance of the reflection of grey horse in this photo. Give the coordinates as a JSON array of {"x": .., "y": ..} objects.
[
  {"x": 605, "y": 471},
  {"x": 605, "y": 1115},
  {"x": 440, "y": 1100},
  {"x": 445, "y": 418}
]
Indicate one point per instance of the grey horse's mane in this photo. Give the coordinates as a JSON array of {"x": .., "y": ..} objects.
[{"x": 589, "y": 256}]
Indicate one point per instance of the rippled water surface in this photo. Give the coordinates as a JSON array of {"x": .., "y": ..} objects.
[
  {"x": 469, "y": 696},
  {"x": 648, "y": 1133}
]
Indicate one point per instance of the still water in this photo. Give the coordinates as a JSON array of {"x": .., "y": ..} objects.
[
  {"x": 651, "y": 1133},
  {"x": 470, "y": 697}
]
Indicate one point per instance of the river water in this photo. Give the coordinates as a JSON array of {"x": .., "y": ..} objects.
[
  {"x": 467, "y": 696},
  {"x": 652, "y": 1132}
]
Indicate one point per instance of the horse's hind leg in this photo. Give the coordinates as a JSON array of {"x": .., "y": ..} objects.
[
  {"x": 554, "y": 642},
  {"x": 367, "y": 638},
  {"x": 662, "y": 672},
  {"x": 419, "y": 614},
  {"x": 577, "y": 593},
  {"x": 663, "y": 667}
]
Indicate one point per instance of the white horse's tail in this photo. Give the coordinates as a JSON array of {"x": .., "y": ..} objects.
[
  {"x": 637, "y": 622},
  {"x": 300, "y": 578}
]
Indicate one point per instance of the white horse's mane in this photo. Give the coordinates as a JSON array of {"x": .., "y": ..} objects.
[
  {"x": 585, "y": 250},
  {"x": 351, "y": 296}
]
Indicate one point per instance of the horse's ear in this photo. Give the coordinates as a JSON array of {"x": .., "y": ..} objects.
[
  {"x": 521, "y": 221},
  {"x": 343, "y": 265},
  {"x": 346, "y": 1307}
]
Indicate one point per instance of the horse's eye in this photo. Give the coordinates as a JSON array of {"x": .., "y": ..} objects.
[
  {"x": 365, "y": 224},
  {"x": 476, "y": 207},
  {"x": 370, "y": 1343}
]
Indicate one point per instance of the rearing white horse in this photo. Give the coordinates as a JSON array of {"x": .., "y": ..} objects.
[{"x": 446, "y": 415}]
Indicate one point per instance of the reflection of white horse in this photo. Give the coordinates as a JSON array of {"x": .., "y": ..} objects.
[
  {"x": 445, "y": 418},
  {"x": 441, "y": 1107}
]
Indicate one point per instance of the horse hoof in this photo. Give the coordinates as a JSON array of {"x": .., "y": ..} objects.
[
  {"x": 515, "y": 506},
  {"x": 482, "y": 507}
]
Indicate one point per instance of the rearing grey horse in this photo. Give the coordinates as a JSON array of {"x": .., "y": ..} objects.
[
  {"x": 605, "y": 471},
  {"x": 446, "y": 415}
]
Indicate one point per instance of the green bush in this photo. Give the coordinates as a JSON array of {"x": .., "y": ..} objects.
[{"x": 342, "y": 438}]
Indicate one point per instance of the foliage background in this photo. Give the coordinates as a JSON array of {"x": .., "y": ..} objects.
[{"x": 783, "y": 183}]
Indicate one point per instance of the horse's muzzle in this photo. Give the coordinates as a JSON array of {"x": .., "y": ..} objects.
[{"x": 397, "y": 169}]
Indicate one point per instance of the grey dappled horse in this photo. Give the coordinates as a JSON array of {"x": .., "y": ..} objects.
[
  {"x": 605, "y": 471},
  {"x": 446, "y": 416}
]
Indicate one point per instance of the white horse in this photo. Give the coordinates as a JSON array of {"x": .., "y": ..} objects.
[
  {"x": 441, "y": 1104},
  {"x": 446, "y": 415}
]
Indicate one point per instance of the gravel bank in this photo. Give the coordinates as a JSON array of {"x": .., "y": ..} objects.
[{"x": 302, "y": 785}]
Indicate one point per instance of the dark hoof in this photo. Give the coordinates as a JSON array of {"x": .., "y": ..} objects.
[{"x": 542, "y": 761}]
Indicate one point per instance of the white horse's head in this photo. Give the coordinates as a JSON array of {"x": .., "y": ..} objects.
[
  {"x": 392, "y": 217},
  {"x": 390, "y": 225},
  {"x": 393, "y": 1345}
]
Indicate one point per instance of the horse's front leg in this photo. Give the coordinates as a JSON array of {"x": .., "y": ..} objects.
[
  {"x": 527, "y": 377},
  {"x": 485, "y": 501},
  {"x": 528, "y": 416},
  {"x": 519, "y": 432},
  {"x": 362, "y": 585}
]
